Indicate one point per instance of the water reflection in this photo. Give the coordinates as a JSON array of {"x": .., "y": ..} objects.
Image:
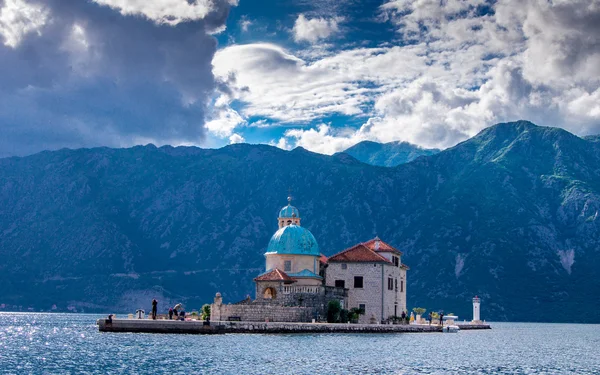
[{"x": 69, "y": 344}]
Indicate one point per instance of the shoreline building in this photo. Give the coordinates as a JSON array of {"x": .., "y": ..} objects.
[
  {"x": 292, "y": 288},
  {"x": 299, "y": 281},
  {"x": 375, "y": 278},
  {"x": 292, "y": 259}
]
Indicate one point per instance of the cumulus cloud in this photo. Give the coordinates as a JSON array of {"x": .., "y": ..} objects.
[
  {"x": 282, "y": 143},
  {"x": 315, "y": 29},
  {"x": 225, "y": 122},
  {"x": 170, "y": 12},
  {"x": 323, "y": 139},
  {"x": 236, "y": 138},
  {"x": 276, "y": 84},
  {"x": 18, "y": 18},
  {"x": 427, "y": 19},
  {"x": 563, "y": 42},
  {"x": 75, "y": 73},
  {"x": 461, "y": 65}
]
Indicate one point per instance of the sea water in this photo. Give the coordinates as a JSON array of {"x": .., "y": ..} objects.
[{"x": 32, "y": 343}]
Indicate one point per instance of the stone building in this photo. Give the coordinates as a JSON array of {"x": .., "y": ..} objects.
[
  {"x": 292, "y": 258},
  {"x": 375, "y": 278},
  {"x": 299, "y": 281},
  {"x": 292, "y": 288}
]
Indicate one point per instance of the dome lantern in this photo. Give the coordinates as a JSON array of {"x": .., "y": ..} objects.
[{"x": 288, "y": 215}]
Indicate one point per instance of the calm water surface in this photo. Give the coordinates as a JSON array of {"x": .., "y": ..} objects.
[{"x": 71, "y": 344}]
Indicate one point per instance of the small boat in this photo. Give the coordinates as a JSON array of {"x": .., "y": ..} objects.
[
  {"x": 449, "y": 325},
  {"x": 451, "y": 329}
]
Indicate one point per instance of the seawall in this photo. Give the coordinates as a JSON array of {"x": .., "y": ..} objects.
[{"x": 198, "y": 327}]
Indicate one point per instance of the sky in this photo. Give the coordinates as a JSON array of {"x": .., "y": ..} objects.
[{"x": 320, "y": 74}]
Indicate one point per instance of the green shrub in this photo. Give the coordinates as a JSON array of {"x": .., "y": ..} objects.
[
  {"x": 205, "y": 312},
  {"x": 354, "y": 313},
  {"x": 333, "y": 311},
  {"x": 344, "y": 316}
]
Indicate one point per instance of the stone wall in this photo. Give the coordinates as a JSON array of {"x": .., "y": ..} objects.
[
  {"x": 259, "y": 312},
  {"x": 315, "y": 297},
  {"x": 285, "y": 307}
]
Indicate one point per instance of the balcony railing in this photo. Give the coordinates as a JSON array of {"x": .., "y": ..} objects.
[
  {"x": 315, "y": 289},
  {"x": 289, "y": 289}
]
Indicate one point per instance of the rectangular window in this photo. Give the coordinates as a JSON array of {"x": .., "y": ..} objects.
[
  {"x": 344, "y": 266},
  {"x": 287, "y": 266},
  {"x": 401, "y": 286},
  {"x": 396, "y": 261},
  {"x": 340, "y": 283},
  {"x": 358, "y": 281},
  {"x": 363, "y": 307},
  {"x": 390, "y": 283},
  {"x": 396, "y": 284}
]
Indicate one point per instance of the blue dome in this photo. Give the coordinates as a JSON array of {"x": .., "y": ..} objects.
[
  {"x": 289, "y": 211},
  {"x": 293, "y": 239}
]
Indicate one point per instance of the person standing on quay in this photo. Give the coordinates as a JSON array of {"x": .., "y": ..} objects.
[{"x": 154, "y": 304}]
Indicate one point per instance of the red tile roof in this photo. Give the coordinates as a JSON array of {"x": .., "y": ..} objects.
[
  {"x": 358, "y": 253},
  {"x": 323, "y": 259},
  {"x": 275, "y": 275},
  {"x": 383, "y": 246}
]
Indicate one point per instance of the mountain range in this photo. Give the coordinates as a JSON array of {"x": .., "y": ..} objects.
[
  {"x": 510, "y": 215},
  {"x": 388, "y": 154}
]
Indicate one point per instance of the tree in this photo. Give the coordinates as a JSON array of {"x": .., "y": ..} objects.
[
  {"x": 205, "y": 312},
  {"x": 419, "y": 310},
  {"x": 333, "y": 311}
]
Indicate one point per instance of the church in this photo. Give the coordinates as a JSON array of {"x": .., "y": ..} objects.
[{"x": 299, "y": 281}]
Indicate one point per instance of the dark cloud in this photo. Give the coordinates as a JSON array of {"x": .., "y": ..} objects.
[
  {"x": 92, "y": 76},
  {"x": 583, "y": 40},
  {"x": 563, "y": 41}
]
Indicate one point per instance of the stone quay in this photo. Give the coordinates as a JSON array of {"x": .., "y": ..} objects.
[{"x": 215, "y": 327}]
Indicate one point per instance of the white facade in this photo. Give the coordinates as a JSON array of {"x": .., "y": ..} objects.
[{"x": 383, "y": 290}]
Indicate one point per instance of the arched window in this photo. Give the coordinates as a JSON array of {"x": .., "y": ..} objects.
[{"x": 269, "y": 293}]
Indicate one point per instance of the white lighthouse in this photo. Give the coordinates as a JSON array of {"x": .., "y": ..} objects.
[{"x": 476, "y": 305}]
